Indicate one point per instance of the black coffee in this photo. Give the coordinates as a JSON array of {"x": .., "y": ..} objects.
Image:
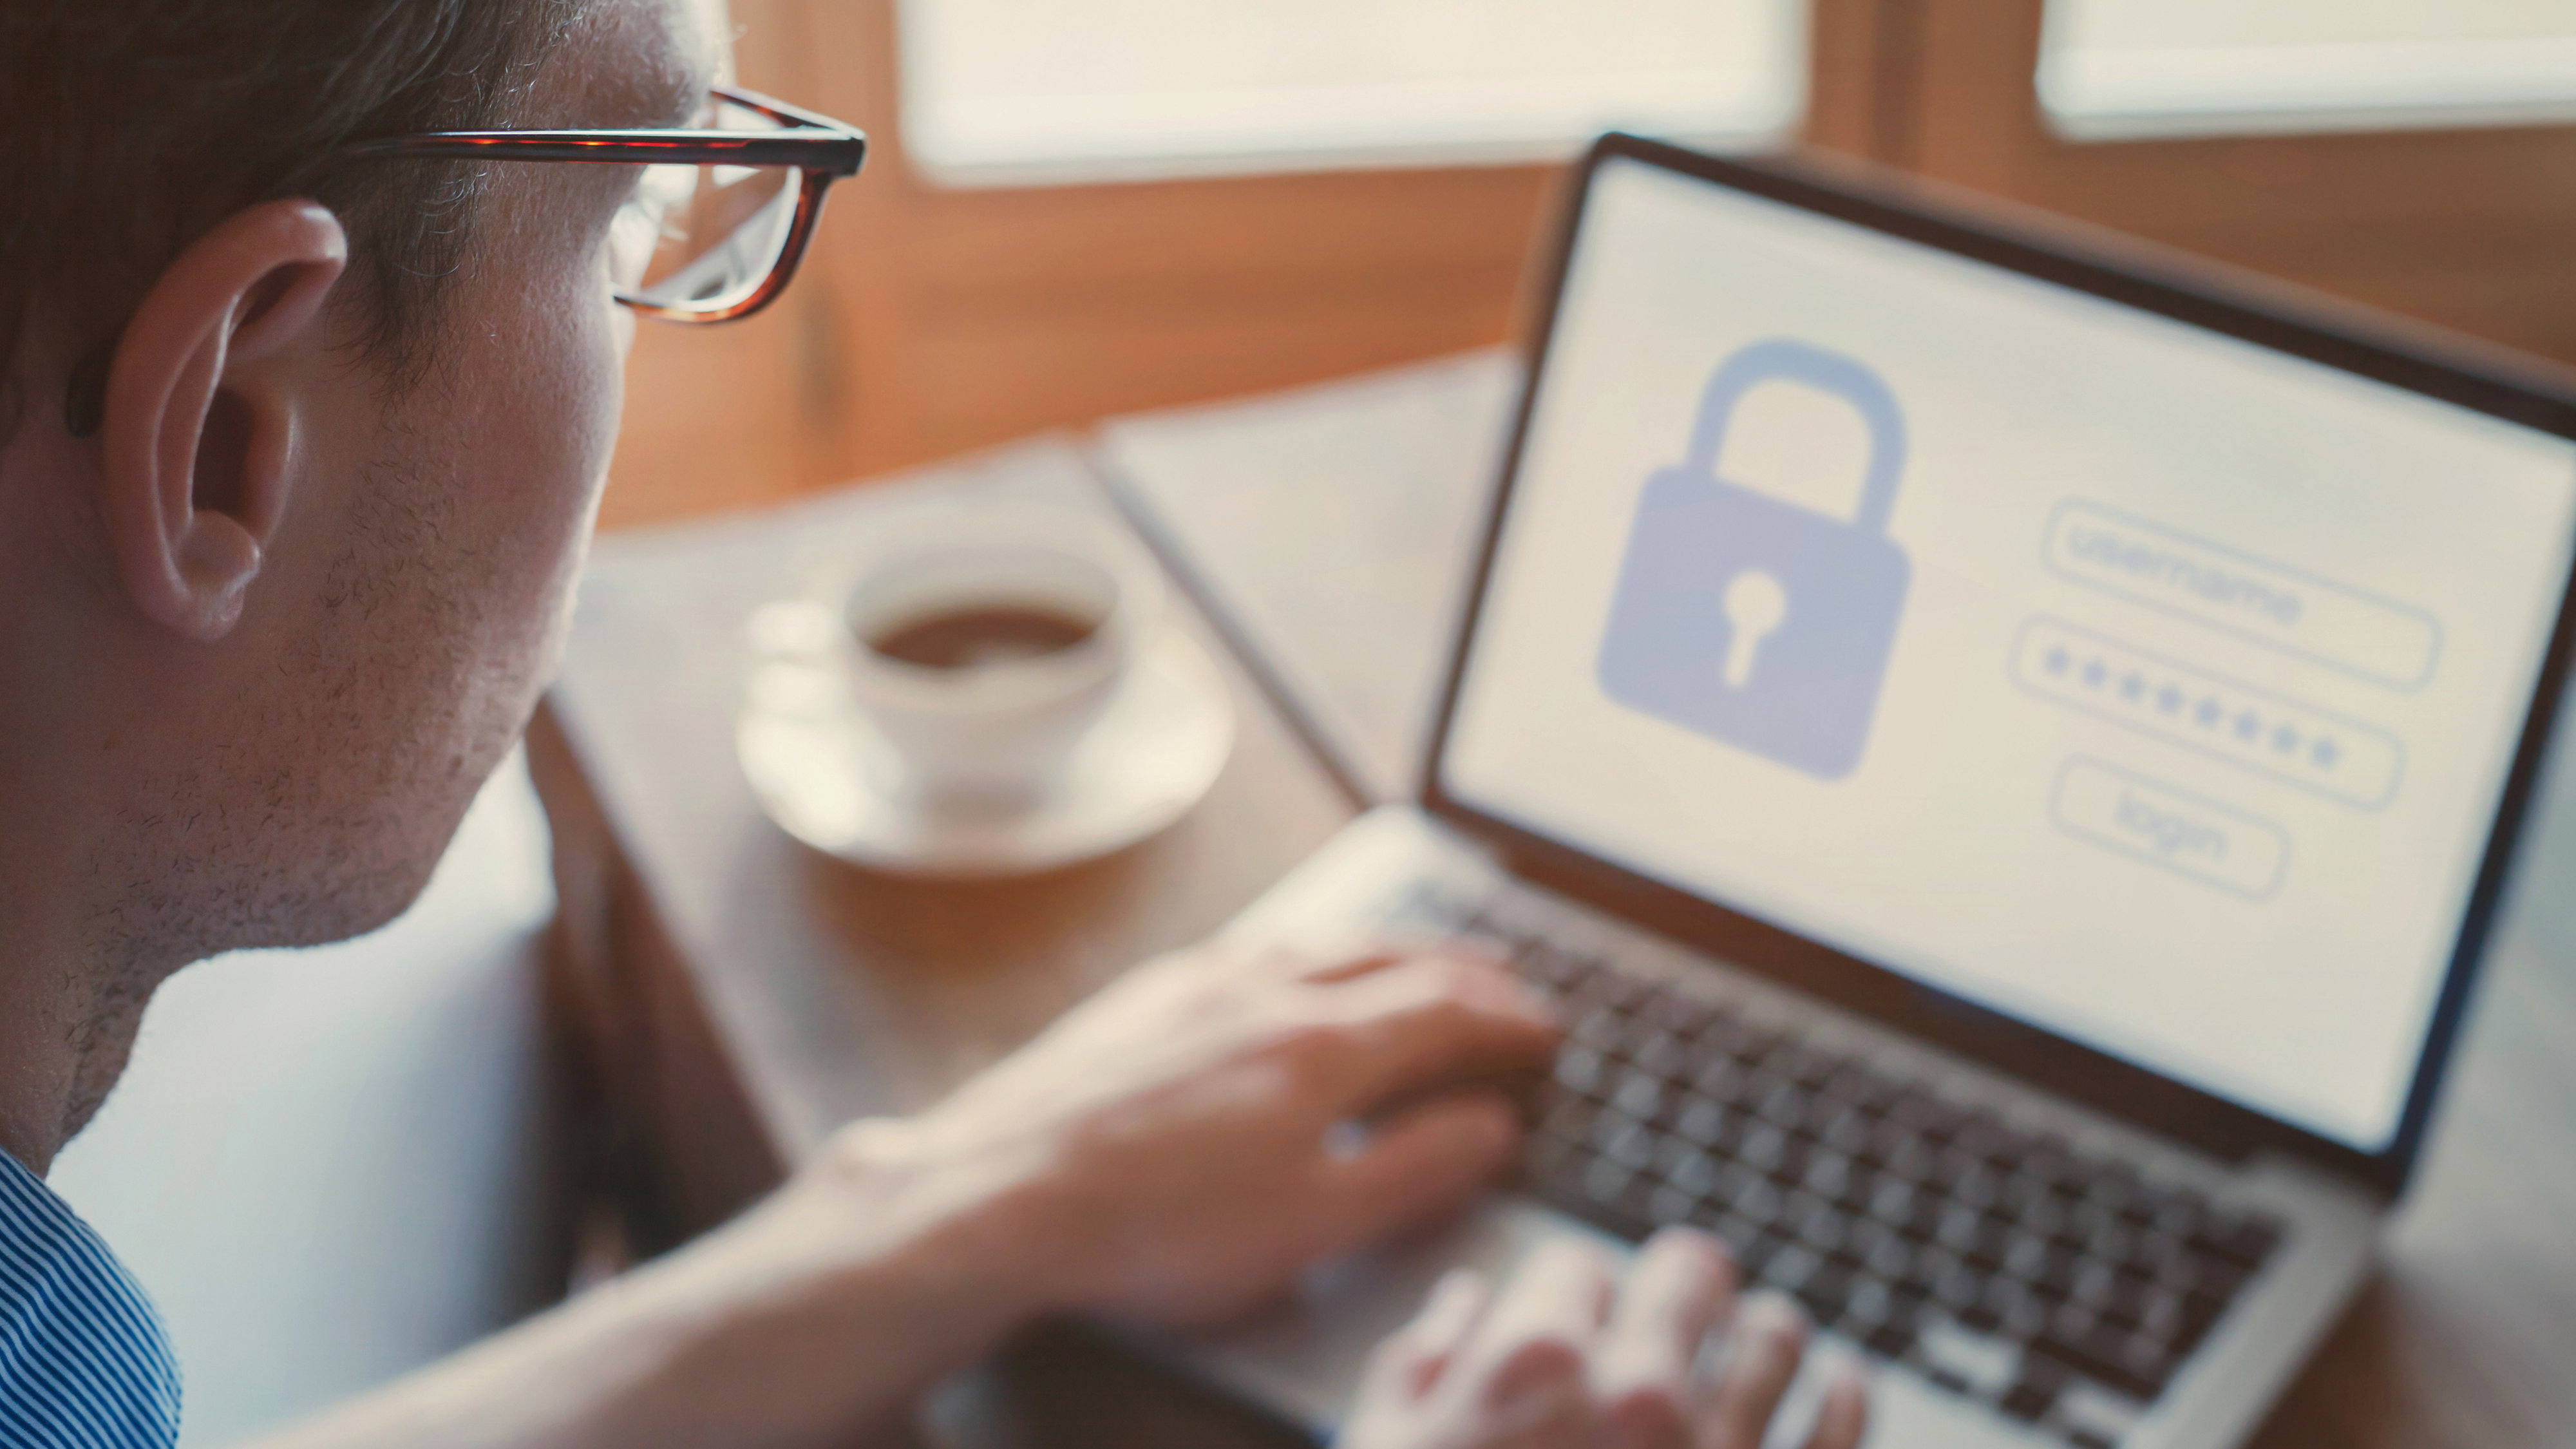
[{"x": 976, "y": 637}]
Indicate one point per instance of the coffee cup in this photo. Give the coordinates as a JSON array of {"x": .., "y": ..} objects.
[{"x": 983, "y": 646}]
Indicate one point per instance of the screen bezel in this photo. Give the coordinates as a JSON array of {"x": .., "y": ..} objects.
[{"x": 2204, "y": 295}]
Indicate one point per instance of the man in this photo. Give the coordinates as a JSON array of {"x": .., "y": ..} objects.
[{"x": 299, "y": 466}]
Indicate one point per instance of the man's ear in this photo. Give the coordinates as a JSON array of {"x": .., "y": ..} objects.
[{"x": 199, "y": 431}]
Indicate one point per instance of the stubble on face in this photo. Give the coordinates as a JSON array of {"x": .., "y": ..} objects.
[
  {"x": 330, "y": 780},
  {"x": 327, "y": 803}
]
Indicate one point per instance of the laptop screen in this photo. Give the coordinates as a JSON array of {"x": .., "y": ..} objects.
[{"x": 2147, "y": 685}]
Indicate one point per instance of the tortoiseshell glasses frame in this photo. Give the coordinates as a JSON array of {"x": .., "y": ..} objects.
[{"x": 817, "y": 148}]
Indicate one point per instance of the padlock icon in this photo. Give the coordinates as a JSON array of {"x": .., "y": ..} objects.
[{"x": 1750, "y": 619}]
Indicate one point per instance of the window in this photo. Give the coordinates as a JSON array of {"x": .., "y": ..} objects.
[
  {"x": 1000, "y": 91},
  {"x": 2111, "y": 69}
]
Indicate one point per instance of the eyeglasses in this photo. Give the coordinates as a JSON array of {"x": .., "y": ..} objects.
[
  {"x": 718, "y": 220},
  {"x": 720, "y": 216}
]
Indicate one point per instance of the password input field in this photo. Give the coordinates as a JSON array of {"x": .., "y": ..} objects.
[{"x": 2186, "y": 705}]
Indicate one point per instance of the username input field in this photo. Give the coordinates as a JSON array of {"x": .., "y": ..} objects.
[{"x": 2253, "y": 598}]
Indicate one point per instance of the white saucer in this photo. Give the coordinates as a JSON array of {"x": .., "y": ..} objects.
[{"x": 829, "y": 779}]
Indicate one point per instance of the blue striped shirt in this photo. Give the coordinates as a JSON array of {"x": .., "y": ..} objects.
[{"x": 83, "y": 1360}]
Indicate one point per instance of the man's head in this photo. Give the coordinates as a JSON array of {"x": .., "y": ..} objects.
[{"x": 284, "y": 594}]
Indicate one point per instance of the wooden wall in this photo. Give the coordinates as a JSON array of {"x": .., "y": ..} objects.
[{"x": 930, "y": 322}]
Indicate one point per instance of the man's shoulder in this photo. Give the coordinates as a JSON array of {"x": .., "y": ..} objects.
[{"x": 83, "y": 1359}]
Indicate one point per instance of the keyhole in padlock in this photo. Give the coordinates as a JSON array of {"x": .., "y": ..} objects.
[{"x": 1755, "y": 607}]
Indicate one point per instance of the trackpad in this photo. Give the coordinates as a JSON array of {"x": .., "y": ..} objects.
[{"x": 1305, "y": 1357}]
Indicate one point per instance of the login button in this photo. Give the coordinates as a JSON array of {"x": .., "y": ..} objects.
[{"x": 2185, "y": 834}]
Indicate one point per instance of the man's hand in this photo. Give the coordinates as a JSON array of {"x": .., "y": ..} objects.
[
  {"x": 1191, "y": 1137},
  {"x": 1173, "y": 1151},
  {"x": 1568, "y": 1357}
]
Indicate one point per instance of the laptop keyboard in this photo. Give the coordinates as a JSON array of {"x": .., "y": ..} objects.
[{"x": 2002, "y": 1264}]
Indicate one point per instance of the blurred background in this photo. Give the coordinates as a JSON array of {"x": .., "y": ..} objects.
[{"x": 1078, "y": 208}]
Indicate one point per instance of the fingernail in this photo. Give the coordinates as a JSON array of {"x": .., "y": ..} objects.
[
  {"x": 1774, "y": 1316},
  {"x": 1455, "y": 1284}
]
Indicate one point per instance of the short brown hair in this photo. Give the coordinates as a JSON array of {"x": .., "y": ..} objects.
[{"x": 128, "y": 128}]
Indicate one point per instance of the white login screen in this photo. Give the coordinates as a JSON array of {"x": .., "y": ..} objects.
[{"x": 2150, "y": 686}]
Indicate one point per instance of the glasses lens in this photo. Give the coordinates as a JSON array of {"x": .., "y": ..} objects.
[{"x": 704, "y": 238}]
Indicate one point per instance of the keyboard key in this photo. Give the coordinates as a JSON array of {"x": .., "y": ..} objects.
[
  {"x": 1827, "y": 1292},
  {"x": 1857, "y": 1086},
  {"x": 2025, "y": 1313},
  {"x": 2125, "y": 1302},
  {"x": 1926, "y": 1117},
  {"x": 1736, "y": 1230},
  {"x": 1703, "y": 1121},
  {"x": 2047, "y": 1267},
  {"x": 2027, "y": 1201},
  {"x": 1678, "y": 1014},
  {"x": 2200, "y": 1313},
  {"x": 1661, "y": 1053},
  {"x": 1956, "y": 1226},
  {"x": 2217, "y": 1278},
  {"x": 1870, "y": 1303},
  {"x": 1817, "y": 1225},
  {"x": 2094, "y": 1418},
  {"x": 2160, "y": 1314},
  {"x": 1604, "y": 1181},
  {"x": 1803, "y": 1065},
  {"x": 1759, "y": 1200},
  {"x": 1603, "y": 1029},
  {"x": 1581, "y": 1069},
  {"x": 1912, "y": 1160},
  {"x": 1783, "y": 1104},
  {"x": 1846, "y": 1130},
  {"x": 1565, "y": 970},
  {"x": 1951, "y": 1282},
  {"x": 1891, "y": 1260},
  {"x": 2093, "y": 1283},
  {"x": 1757, "y": 1252},
  {"x": 1890, "y": 1341},
  {"x": 1692, "y": 1171},
  {"x": 1722, "y": 1079},
  {"x": 2031, "y": 1399},
  {"x": 1891, "y": 1200},
  {"x": 2242, "y": 1241},
  {"x": 1726, "y": 1035},
  {"x": 1627, "y": 993},
  {"x": 1765, "y": 1148},
  {"x": 1981, "y": 1134},
  {"x": 1791, "y": 1267},
  {"x": 2108, "y": 1357},
  {"x": 1669, "y": 1206},
  {"x": 1829, "y": 1175},
  {"x": 1624, "y": 1140},
  {"x": 1640, "y": 1094}
]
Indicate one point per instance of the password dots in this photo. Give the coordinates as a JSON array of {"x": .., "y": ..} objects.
[
  {"x": 2208, "y": 711},
  {"x": 2197, "y": 708}
]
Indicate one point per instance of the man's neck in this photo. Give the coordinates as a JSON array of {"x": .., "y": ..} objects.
[
  {"x": 74, "y": 977},
  {"x": 58, "y": 1053}
]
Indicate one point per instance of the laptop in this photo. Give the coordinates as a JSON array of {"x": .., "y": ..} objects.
[{"x": 2004, "y": 753}]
